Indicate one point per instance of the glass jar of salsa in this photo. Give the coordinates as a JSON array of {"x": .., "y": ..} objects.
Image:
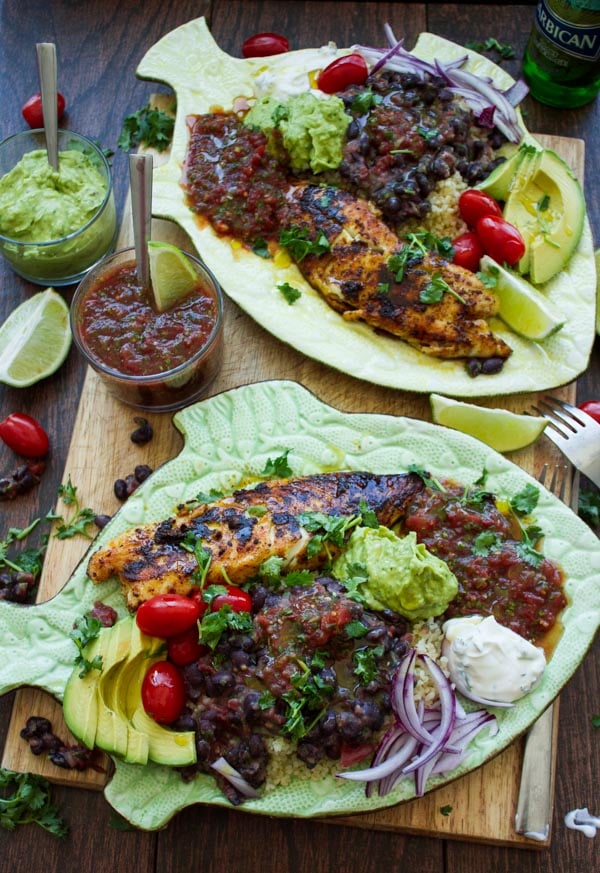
[{"x": 149, "y": 360}]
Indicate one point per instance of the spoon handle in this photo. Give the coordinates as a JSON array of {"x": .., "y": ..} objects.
[
  {"x": 46, "y": 58},
  {"x": 140, "y": 182}
]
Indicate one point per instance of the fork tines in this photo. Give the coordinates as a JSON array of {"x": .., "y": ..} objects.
[{"x": 566, "y": 419}]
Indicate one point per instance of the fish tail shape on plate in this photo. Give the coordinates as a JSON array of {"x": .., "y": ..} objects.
[
  {"x": 356, "y": 278},
  {"x": 243, "y": 530}
]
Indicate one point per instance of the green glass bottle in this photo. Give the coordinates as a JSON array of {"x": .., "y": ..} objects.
[{"x": 562, "y": 58}]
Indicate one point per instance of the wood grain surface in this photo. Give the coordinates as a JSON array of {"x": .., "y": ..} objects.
[
  {"x": 99, "y": 44},
  {"x": 482, "y": 803}
]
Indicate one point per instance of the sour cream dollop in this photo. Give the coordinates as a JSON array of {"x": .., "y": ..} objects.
[{"x": 488, "y": 662}]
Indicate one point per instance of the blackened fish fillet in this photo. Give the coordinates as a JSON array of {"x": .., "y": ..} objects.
[
  {"x": 355, "y": 278},
  {"x": 243, "y": 530}
]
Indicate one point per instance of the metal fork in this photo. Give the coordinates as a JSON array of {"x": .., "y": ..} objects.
[
  {"x": 575, "y": 433},
  {"x": 532, "y": 818}
]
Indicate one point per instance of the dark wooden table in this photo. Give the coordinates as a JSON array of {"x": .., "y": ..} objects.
[{"x": 99, "y": 46}]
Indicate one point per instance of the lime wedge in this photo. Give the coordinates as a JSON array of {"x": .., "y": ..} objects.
[
  {"x": 34, "y": 339},
  {"x": 501, "y": 429},
  {"x": 522, "y": 307},
  {"x": 171, "y": 274}
]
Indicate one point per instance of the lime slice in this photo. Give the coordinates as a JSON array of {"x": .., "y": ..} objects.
[
  {"x": 171, "y": 274},
  {"x": 501, "y": 429},
  {"x": 34, "y": 339},
  {"x": 522, "y": 307}
]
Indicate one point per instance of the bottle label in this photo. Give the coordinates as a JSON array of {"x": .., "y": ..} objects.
[{"x": 579, "y": 40}]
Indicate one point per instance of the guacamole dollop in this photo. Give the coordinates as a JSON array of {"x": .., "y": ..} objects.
[
  {"x": 311, "y": 130},
  {"x": 396, "y": 573},
  {"x": 39, "y": 204}
]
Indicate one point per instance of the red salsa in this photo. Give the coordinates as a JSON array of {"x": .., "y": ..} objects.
[
  {"x": 499, "y": 572},
  {"x": 231, "y": 179},
  {"x": 122, "y": 330}
]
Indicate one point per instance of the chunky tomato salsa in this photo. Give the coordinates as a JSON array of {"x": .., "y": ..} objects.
[
  {"x": 121, "y": 329},
  {"x": 500, "y": 572}
]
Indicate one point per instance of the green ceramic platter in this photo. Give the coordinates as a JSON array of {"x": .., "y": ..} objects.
[
  {"x": 228, "y": 440},
  {"x": 204, "y": 77}
]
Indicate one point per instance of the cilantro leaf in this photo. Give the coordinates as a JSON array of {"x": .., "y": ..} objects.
[
  {"x": 435, "y": 290},
  {"x": 299, "y": 245},
  {"x": 485, "y": 542},
  {"x": 214, "y": 624},
  {"x": 289, "y": 293},
  {"x": 365, "y": 664},
  {"x": 526, "y": 500},
  {"x": 153, "y": 127},
  {"x": 278, "y": 468},
  {"x": 85, "y": 631},
  {"x": 589, "y": 506}
]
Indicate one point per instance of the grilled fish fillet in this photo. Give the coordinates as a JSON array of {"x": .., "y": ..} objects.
[
  {"x": 241, "y": 531},
  {"x": 356, "y": 280}
]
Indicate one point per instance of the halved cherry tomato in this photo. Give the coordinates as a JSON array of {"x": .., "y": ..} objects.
[
  {"x": 166, "y": 615},
  {"x": 32, "y": 109},
  {"x": 348, "y": 70},
  {"x": 163, "y": 692},
  {"x": 592, "y": 407},
  {"x": 24, "y": 435},
  {"x": 185, "y": 648},
  {"x": 236, "y": 598},
  {"x": 261, "y": 45},
  {"x": 468, "y": 251},
  {"x": 502, "y": 241},
  {"x": 474, "y": 204}
]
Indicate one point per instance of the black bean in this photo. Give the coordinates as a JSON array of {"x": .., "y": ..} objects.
[{"x": 143, "y": 433}]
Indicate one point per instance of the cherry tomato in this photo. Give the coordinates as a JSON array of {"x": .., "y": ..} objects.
[
  {"x": 185, "y": 648},
  {"x": 474, "y": 204},
  {"x": 167, "y": 615},
  {"x": 24, "y": 435},
  {"x": 163, "y": 692},
  {"x": 502, "y": 241},
  {"x": 261, "y": 45},
  {"x": 348, "y": 70},
  {"x": 32, "y": 110},
  {"x": 199, "y": 599},
  {"x": 468, "y": 251},
  {"x": 592, "y": 407},
  {"x": 238, "y": 600}
]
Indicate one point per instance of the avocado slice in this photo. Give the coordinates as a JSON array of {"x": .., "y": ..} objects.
[
  {"x": 561, "y": 217},
  {"x": 546, "y": 204},
  {"x": 500, "y": 180},
  {"x": 175, "y": 748}
]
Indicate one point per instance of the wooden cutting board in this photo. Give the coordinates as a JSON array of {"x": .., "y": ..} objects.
[{"x": 478, "y": 807}]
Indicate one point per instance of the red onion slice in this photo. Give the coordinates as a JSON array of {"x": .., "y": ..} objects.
[
  {"x": 237, "y": 780},
  {"x": 445, "y": 734}
]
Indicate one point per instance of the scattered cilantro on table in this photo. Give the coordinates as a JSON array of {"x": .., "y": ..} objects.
[
  {"x": 152, "y": 127},
  {"x": 25, "y": 799},
  {"x": 503, "y": 51}
]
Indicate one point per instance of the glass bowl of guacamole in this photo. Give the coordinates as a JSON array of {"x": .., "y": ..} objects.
[
  {"x": 157, "y": 361},
  {"x": 55, "y": 225}
]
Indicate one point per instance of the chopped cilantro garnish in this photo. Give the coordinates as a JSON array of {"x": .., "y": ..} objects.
[
  {"x": 85, "y": 631},
  {"x": 485, "y": 542},
  {"x": 278, "y": 467},
  {"x": 297, "y": 242},
  {"x": 365, "y": 664},
  {"x": 289, "y": 293},
  {"x": 526, "y": 500},
  {"x": 435, "y": 290},
  {"x": 355, "y": 630},
  {"x": 214, "y": 624},
  {"x": 260, "y": 247}
]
